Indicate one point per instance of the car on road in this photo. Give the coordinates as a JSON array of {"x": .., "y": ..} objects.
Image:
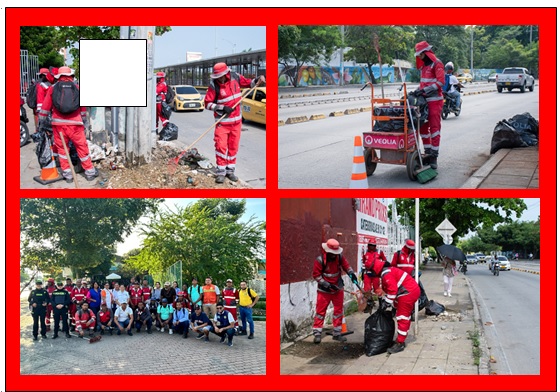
[
  {"x": 504, "y": 263},
  {"x": 187, "y": 98},
  {"x": 481, "y": 257},
  {"x": 492, "y": 78},
  {"x": 465, "y": 78},
  {"x": 471, "y": 259},
  {"x": 253, "y": 107}
]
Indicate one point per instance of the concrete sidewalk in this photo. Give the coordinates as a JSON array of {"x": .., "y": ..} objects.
[{"x": 442, "y": 345}]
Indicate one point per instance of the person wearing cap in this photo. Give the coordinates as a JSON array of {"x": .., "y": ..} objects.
[
  {"x": 43, "y": 85},
  {"x": 367, "y": 264},
  {"x": 400, "y": 293},
  {"x": 85, "y": 319},
  {"x": 38, "y": 300},
  {"x": 60, "y": 301},
  {"x": 51, "y": 287},
  {"x": 327, "y": 272},
  {"x": 194, "y": 294},
  {"x": 181, "y": 298},
  {"x": 164, "y": 316},
  {"x": 71, "y": 125},
  {"x": 200, "y": 323},
  {"x": 180, "y": 323},
  {"x": 135, "y": 295},
  {"x": 223, "y": 94},
  {"x": 223, "y": 325},
  {"x": 405, "y": 258},
  {"x": 231, "y": 297},
  {"x": 168, "y": 293},
  {"x": 432, "y": 79},
  {"x": 211, "y": 296},
  {"x": 161, "y": 92},
  {"x": 124, "y": 318},
  {"x": 142, "y": 317},
  {"x": 105, "y": 319}
]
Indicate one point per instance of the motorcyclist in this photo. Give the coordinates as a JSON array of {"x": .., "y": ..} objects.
[{"x": 452, "y": 87}]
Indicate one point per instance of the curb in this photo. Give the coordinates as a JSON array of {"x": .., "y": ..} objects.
[
  {"x": 484, "y": 171},
  {"x": 483, "y": 367},
  {"x": 317, "y": 117},
  {"x": 296, "y": 120},
  {"x": 526, "y": 270}
]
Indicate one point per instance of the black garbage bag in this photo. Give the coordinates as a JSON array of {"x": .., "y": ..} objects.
[
  {"x": 521, "y": 130},
  {"x": 169, "y": 132},
  {"x": 525, "y": 123},
  {"x": 378, "y": 333},
  {"x": 423, "y": 299},
  {"x": 434, "y": 308},
  {"x": 43, "y": 148},
  {"x": 166, "y": 110},
  {"x": 392, "y": 125}
]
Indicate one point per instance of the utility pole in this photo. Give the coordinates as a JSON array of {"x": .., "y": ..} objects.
[
  {"x": 341, "y": 79},
  {"x": 472, "y": 51}
]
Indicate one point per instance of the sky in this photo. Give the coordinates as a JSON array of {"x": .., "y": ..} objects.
[
  {"x": 172, "y": 47},
  {"x": 253, "y": 207}
]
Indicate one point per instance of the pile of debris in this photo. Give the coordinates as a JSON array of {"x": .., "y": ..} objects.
[{"x": 192, "y": 171}]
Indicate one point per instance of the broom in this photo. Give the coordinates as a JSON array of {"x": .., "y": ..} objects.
[{"x": 424, "y": 173}]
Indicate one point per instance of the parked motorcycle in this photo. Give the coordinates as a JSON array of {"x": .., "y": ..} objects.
[{"x": 23, "y": 120}]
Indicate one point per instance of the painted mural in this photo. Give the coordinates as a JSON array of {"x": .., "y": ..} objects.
[{"x": 310, "y": 75}]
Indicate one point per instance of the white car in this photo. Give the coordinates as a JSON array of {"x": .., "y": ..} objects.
[
  {"x": 471, "y": 259},
  {"x": 504, "y": 263}
]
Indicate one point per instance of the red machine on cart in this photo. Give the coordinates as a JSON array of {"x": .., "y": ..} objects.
[{"x": 398, "y": 146}]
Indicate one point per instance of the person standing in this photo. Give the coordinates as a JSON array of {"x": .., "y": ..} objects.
[
  {"x": 400, "y": 292},
  {"x": 107, "y": 295},
  {"x": 327, "y": 272},
  {"x": 247, "y": 299},
  {"x": 449, "y": 272},
  {"x": 121, "y": 297},
  {"x": 157, "y": 292},
  {"x": 94, "y": 298},
  {"x": 68, "y": 117},
  {"x": 78, "y": 296},
  {"x": 135, "y": 293},
  {"x": 211, "y": 295},
  {"x": 38, "y": 300},
  {"x": 368, "y": 260},
  {"x": 146, "y": 292},
  {"x": 161, "y": 92},
  {"x": 43, "y": 85},
  {"x": 168, "y": 293},
  {"x": 51, "y": 287},
  {"x": 194, "y": 294},
  {"x": 404, "y": 259},
  {"x": 231, "y": 298},
  {"x": 432, "y": 79},
  {"x": 60, "y": 301},
  {"x": 72, "y": 308},
  {"x": 223, "y": 93}
]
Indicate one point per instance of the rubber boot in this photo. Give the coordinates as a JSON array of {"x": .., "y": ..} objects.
[
  {"x": 317, "y": 339},
  {"x": 433, "y": 161}
]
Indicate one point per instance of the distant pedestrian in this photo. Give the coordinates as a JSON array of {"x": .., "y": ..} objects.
[
  {"x": 211, "y": 296},
  {"x": 223, "y": 93},
  {"x": 223, "y": 325},
  {"x": 124, "y": 318},
  {"x": 60, "y": 303},
  {"x": 247, "y": 299},
  {"x": 38, "y": 300},
  {"x": 161, "y": 92},
  {"x": 449, "y": 272}
]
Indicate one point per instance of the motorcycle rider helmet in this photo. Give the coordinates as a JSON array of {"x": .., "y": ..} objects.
[{"x": 449, "y": 66}]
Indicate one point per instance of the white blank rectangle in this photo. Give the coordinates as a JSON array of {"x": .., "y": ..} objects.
[{"x": 113, "y": 72}]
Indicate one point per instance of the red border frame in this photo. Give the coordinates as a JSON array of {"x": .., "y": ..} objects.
[{"x": 545, "y": 18}]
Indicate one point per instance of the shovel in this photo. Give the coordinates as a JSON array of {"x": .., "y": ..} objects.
[
  {"x": 174, "y": 162},
  {"x": 94, "y": 339}
]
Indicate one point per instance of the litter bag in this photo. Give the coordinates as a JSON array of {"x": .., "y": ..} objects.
[
  {"x": 434, "y": 308},
  {"x": 378, "y": 333},
  {"x": 423, "y": 299},
  {"x": 166, "y": 110},
  {"x": 395, "y": 125},
  {"x": 522, "y": 130},
  {"x": 169, "y": 132},
  {"x": 43, "y": 148}
]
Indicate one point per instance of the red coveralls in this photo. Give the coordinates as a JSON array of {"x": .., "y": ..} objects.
[
  {"x": 231, "y": 296},
  {"x": 404, "y": 260},
  {"x": 78, "y": 295},
  {"x": 228, "y": 132},
  {"x": 85, "y": 321},
  {"x": 146, "y": 294},
  {"x": 432, "y": 79},
  {"x": 72, "y": 127},
  {"x": 402, "y": 292},
  {"x": 330, "y": 272},
  {"x": 161, "y": 91},
  {"x": 369, "y": 260}
]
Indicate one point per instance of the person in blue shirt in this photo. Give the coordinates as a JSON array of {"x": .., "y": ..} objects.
[
  {"x": 181, "y": 320},
  {"x": 200, "y": 323}
]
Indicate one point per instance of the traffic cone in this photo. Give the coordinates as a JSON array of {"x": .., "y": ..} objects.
[
  {"x": 344, "y": 329},
  {"x": 359, "y": 176},
  {"x": 49, "y": 173}
]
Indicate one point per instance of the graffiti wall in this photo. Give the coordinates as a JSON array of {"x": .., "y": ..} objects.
[{"x": 310, "y": 75}]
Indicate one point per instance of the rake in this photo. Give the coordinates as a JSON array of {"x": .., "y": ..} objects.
[{"x": 173, "y": 163}]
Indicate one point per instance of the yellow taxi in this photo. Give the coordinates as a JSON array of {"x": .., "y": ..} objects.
[
  {"x": 187, "y": 98},
  {"x": 465, "y": 78},
  {"x": 253, "y": 107}
]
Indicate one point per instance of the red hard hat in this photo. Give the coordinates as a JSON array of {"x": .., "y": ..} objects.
[
  {"x": 410, "y": 244},
  {"x": 43, "y": 71},
  {"x": 421, "y": 47},
  {"x": 160, "y": 74},
  {"x": 332, "y": 246},
  {"x": 219, "y": 70}
]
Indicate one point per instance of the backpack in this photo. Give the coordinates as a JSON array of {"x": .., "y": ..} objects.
[
  {"x": 249, "y": 293},
  {"x": 216, "y": 86},
  {"x": 66, "y": 97},
  {"x": 31, "y": 96},
  {"x": 169, "y": 95},
  {"x": 189, "y": 290}
]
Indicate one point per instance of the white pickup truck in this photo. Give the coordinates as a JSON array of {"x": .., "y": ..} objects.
[{"x": 517, "y": 77}]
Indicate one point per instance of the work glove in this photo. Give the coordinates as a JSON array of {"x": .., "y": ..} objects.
[
  {"x": 386, "y": 306},
  {"x": 221, "y": 110},
  {"x": 354, "y": 278},
  {"x": 417, "y": 93}
]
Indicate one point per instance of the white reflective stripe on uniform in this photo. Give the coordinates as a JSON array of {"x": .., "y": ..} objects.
[
  {"x": 221, "y": 155},
  {"x": 389, "y": 300},
  {"x": 402, "y": 332},
  {"x": 403, "y": 277},
  {"x": 436, "y": 133},
  {"x": 232, "y": 119},
  {"x": 44, "y": 112},
  {"x": 403, "y": 318},
  {"x": 63, "y": 121},
  {"x": 230, "y": 98},
  {"x": 319, "y": 317},
  {"x": 407, "y": 265},
  {"x": 428, "y": 80},
  {"x": 438, "y": 98},
  {"x": 85, "y": 158},
  {"x": 391, "y": 296},
  {"x": 62, "y": 156},
  {"x": 331, "y": 275},
  {"x": 385, "y": 272}
]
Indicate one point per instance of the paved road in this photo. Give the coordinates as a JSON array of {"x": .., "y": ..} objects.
[
  {"x": 318, "y": 154},
  {"x": 164, "y": 354},
  {"x": 510, "y": 312}
]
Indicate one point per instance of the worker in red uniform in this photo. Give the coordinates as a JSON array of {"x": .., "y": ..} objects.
[
  {"x": 327, "y": 272},
  {"x": 161, "y": 92},
  {"x": 85, "y": 320},
  {"x": 135, "y": 295},
  {"x": 70, "y": 124},
  {"x": 404, "y": 259},
  {"x": 368, "y": 277},
  {"x": 223, "y": 93},
  {"x": 146, "y": 292},
  {"x": 231, "y": 297},
  {"x": 51, "y": 287},
  {"x": 400, "y": 292},
  {"x": 432, "y": 79},
  {"x": 78, "y": 296},
  {"x": 43, "y": 85}
]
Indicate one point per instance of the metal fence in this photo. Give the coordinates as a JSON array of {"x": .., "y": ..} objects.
[
  {"x": 173, "y": 273},
  {"x": 28, "y": 69}
]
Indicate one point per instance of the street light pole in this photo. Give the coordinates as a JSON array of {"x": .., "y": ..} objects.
[{"x": 472, "y": 50}]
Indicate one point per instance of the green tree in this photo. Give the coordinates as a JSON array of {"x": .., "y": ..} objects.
[
  {"x": 41, "y": 41},
  {"x": 208, "y": 244},
  {"x": 76, "y": 233},
  {"x": 391, "y": 39},
  {"x": 450, "y": 43},
  {"x": 307, "y": 44},
  {"x": 467, "y": 215}
]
